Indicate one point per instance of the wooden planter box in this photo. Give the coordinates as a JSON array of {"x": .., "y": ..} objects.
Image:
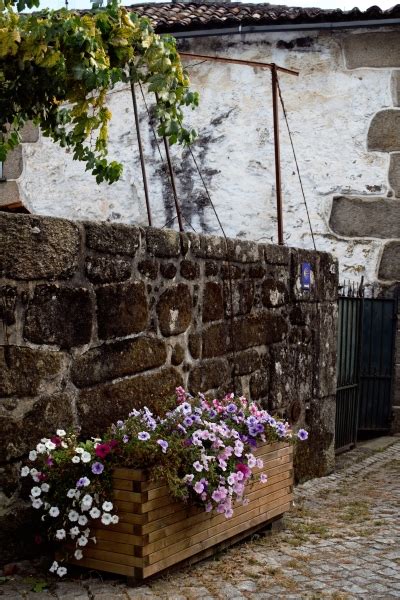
[{"x": 155, "y": 532}]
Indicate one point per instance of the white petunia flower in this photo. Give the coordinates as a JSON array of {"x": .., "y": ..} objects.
[
  {"x": 61, "y": 571},
  {"x": 79, "y": 450},
  {"x": 86, "y": 457},
  {"x": 54, "y": 567},
  {"x": 95, "y": 513},
  {"x": 41, "y": 448},
  {"x": 75, "y": 459},
  {"x": 50, "y": 445},
  {"x": 78, "y": 554},
  {"x": 36, "y": 491},
  {"x": 73, "y": 515},
  {"x": 87, "y": 500},
  {"x": 86, "y": 532},
  {"x": 60, "y": 432},
  {"x": 74, "y": 531},
  {"x": 25, "y": 471},
  {"x": 106, "y": 518},
  {"x": 107, "y": 506},
  {"x": 45, "y": 487},
  {"x": 82, "y": 541},
  {"x": 71, "y": 493},
  {"x": 60, "y": 534},
  {"x": 82, "y": 520},
  {"x": 114, "y": 519},
  {"x": 32, "y": 455},
  {"x": 37, "y": 503},
  {"x": 54, "y": 511}
]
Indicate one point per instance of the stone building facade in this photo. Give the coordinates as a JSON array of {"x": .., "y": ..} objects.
[
  {"x": 101, "y": 318},
  {"x": 343, "y": 111}
]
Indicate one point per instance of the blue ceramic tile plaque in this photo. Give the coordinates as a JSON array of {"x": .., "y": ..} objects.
[{"x": 305, "y": 276}]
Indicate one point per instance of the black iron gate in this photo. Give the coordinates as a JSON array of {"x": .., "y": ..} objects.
[{"x": 366, "y": 333}]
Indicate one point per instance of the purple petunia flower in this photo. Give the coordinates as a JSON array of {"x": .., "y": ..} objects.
[
  {"x": 82, "y": 482},
  {"x": 143, "y": 436},
  {"x": 163, "y": 444},
  {"x": 231, "y": 408},
  {"x": 97, "y": 468},
  {"x": 125, "y": 439},
  {"x": 302, "y": 434}
]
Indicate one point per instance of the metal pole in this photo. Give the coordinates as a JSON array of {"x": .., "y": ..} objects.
[
  {"x": 172, "y": 178},
  {"x": 278, "y": 181},
  {"x": 236, "y": 61},
  {"x": 142, "y": 163}
]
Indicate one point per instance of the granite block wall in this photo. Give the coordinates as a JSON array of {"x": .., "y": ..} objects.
[{"x": 100, "y": 318}]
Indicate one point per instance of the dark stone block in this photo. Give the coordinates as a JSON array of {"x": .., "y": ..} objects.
[
  {"x": 168, "y": 270},
  {"x": 239, "y": 294},
  {"x": 8, "y": 301},
  {"x": 246, "y": 362},
  {"x": 325, "y": 329},
  {"x": 365, "y": 217},
  {"x": 211, "y": 269},
  {"x": 59, "y": 315},
  {"x": 38, "y": 247},
  {"x": 256, "y": 271},
  {"x": 174, "y": 310},
  {"x": 274, "y": 293},
  {"x": 148, "y": 268},
  {"x": 195, "y": 345},
  {"x": 163, "y": 242},
  {"x": 178, "y": 355},
  {"x": 389, "y": 268},
  {"x": 207, "y": 246},
  {"x": 276, "y": 255},
  {"x": 259, "y": 384},
  {"x": 243, "y": 251},
  {"x": 190, "y": 269},
  {"x": 328, "y": 277},
  {"x": 105, "y": 404},
  {"x": 27, "y": 372},
  {"x": 121, "y": 309},
  {"x": 213, "y": 302},
  {"x": 208, "y": 375},
  {"x": 118, "y": 359},
  {"x": 112, "y": 238},
  {"x": 291, "y": 375},
  {"x": 229, "y": 271},
  {"x": 30, "y": 420},
  {"x": 384, "y": 131},
  {"x": 106, "y": 269}
]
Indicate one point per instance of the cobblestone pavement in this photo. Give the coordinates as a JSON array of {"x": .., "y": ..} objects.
[{"x": 341, "y": 541}]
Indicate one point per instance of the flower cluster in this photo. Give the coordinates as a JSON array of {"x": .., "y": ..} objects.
[{"x": 205, "y": 450}]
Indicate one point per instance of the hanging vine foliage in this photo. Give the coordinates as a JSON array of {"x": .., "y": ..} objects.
[{"x": 56, "y": 68}]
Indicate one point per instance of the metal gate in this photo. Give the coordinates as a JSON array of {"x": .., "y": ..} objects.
[
  {"x": 377, "y": 358},
  {"x": 365, "y": 364}
]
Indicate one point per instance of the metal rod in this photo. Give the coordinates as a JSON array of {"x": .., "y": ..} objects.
[
  {"x": 278, "y": 180},
  {"x": 236, "y": 61},
  {"x": 142, "y": 163},
  {"x": 172, "y": 177}
]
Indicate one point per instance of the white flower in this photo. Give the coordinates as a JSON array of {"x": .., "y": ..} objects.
[
  {"x": 35, "y": 475},
  {"x": 64, "y": 445},
  {"x": 107, "y": 506},
  {"x": 95, "y": 513},
  {"x": 50, "y": 445},
  {"x": 82, "y": 520},
  {"x": 114, "y": 519},
  {"x": 74, "y": 531},
  {"x": 87, "y": 501},
  {"x": 37, "y": 503},
  {"x": 78, "y": 554},
  {"x": 86, "y": 532},
  {"x": 61, "y": 571},
  {"x": 32, "y": 455},
  {"x": 60, "y": 534},
  {"x": 77, "y": 494},
  {"x": 71, "y": 493},
  {"x": 106, "y": 518},
  {"x": 79, "y": 450},
  {"x": 41, "y": 448},
  {"x": 45, "y": 487},
  {"x": 54, "y": 511},
  {"x": 73, "y": 515},
  {"x": 36, "y": 491},
  {"x": 25, "y": 471},
  {"x": 54, "y": 566},
  {"x": 82, "y": 541},
  {"x": 86, "y": 457},
  {"x": 75, "y": 459},
  {"x": 60, "y": 432}
]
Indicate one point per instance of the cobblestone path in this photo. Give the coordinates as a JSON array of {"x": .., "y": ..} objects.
[{"x": 341, "y": 541}]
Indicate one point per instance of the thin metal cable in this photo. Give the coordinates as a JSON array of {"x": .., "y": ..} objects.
[{"x": 296, "y": 163}]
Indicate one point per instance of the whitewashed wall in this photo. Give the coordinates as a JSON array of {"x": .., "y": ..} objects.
[{"x": 330, "y": 109}]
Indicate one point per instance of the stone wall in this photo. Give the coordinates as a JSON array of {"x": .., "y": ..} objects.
[{"x": 99, "y": 318}]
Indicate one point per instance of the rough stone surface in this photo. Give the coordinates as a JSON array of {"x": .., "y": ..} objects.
[
  {"x": 277, "y": 255},
  {"x": 12, "y": 168},
  {"x": 208, "y": 246},
  {"x": 105, "y": 404},
  {"x": 59, "y": 315},
  {"x": 394, "y": 174},
  {"x": 177, "y": 355},
  {"x": 389, "y": 268},
  {"x": 376, "y": 49},
  {"x": 121, "y": 309},
  {"x": 38, "y": 247},
  {"x": 8, "y": 299},
  {"x": 118, "y": 359},
  {"x": 243, "y": 251},
  {"x": 395, "y": 87},
  {"x": 27, "y": 372},
  {"x": 148, "y": 268},
  {"x": 190, "y": 270},
  {"x": 107, "y": 268},
  {"x": 366, "y": 217},
  {"x": 384, "y": 131},
  {"x": 208, "y": 375},
  {"x": 213, "y": 302},
  {"x": 114, "y": 239},
  {"x": 238, "y": 297},
  {"x": 162, "y": 242},
  {"x": 174, "y": 310},
  {"x": 246, "y": 362},
  {"x": 259, "y": 384},
  {"x": 9, "y": 192},
  {"x": 274, "y": 292},
  {"x": 168, "y": 270},
  {"x": 30, "y": 133}
]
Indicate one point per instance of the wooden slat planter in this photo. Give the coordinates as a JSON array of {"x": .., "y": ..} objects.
[{"x": 155, "y": 532}]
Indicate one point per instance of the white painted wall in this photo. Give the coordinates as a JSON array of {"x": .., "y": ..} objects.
[{"x": 329, "y": 109}]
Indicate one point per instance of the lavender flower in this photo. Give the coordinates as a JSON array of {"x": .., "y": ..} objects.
[
  {"x": 302, "y": 434},
  {"x": 97, "y": 468},
  {"x": 163, "y": 444},
  {"x": 143, "y": 436}
]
